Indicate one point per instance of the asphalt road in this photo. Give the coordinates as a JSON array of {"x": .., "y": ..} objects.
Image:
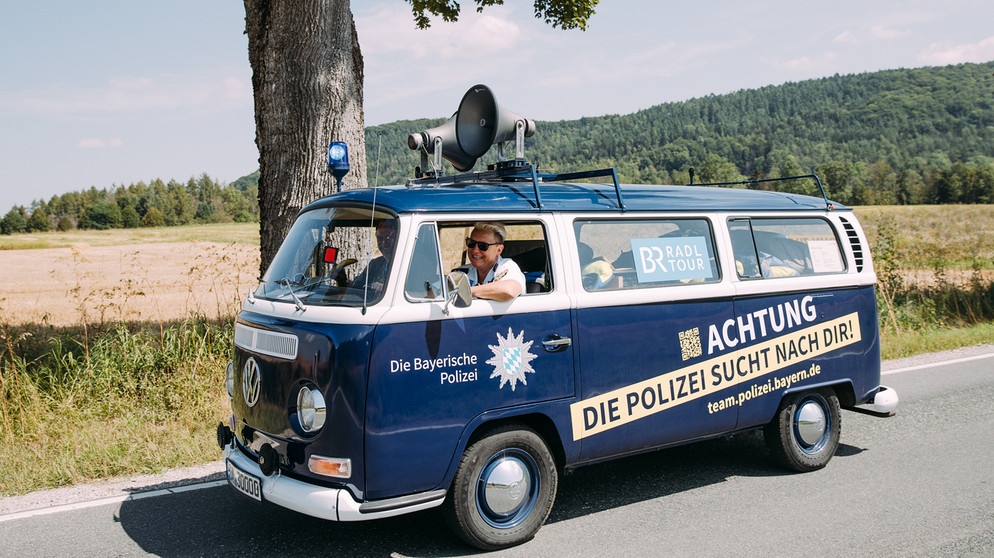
[{"x": 918, "y": 484}]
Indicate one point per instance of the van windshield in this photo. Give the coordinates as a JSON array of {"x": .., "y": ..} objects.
[{"x": 333, "y": 256}]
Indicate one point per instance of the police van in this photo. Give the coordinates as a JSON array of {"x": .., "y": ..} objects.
[{"x": 367, "y": 382}]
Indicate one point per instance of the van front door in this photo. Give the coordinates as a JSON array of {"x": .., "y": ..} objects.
[{"x": 434, "y": 376}]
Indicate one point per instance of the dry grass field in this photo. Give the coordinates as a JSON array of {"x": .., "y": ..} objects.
[
  {"x": 147, "y": 275},
  {"x": 956, "y": 239},
  {"x": 170, "y": 273}
]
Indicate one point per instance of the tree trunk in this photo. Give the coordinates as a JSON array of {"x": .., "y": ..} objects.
[{"x": 307, "y": 83}]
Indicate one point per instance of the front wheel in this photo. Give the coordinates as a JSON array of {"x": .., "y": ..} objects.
[
  {"x": 805, "y": 433},
  {"x": 503, "y": 490}
]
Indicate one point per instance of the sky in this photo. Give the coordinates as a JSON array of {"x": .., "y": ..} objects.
[{"x": 112, "y": 92}]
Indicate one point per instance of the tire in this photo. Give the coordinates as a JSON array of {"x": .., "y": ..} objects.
[
  {"x": 504, "y": 489},
  {"x": 805, "y": 433}
]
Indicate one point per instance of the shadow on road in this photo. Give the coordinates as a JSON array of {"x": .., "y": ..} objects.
[{"x": 219, "y": 522}]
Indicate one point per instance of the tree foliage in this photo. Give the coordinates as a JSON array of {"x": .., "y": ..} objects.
[
  {"x": 152, "y": 204},
  {"x": 15, "y": 221},
  {"x": 564, "y": 14},
  {"x": 905, "y": 136}
]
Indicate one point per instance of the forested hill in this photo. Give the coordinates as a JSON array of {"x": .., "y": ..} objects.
[
  {"x": 892, "y": 137},
  {"x": 897, "y": 136}
]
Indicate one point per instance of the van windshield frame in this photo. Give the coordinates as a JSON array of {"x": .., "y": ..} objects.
[{"x": 333, "y": 256}]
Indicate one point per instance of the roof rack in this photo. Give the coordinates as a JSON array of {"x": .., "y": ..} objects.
[
  {"x": 828, "y": 204},
  {"x": 520, "y": 171}
]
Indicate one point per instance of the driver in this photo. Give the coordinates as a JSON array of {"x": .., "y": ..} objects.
[{"x": 375, "y": 274}]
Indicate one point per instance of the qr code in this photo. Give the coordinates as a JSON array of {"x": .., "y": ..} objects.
[{"x": 690, "y": 343}]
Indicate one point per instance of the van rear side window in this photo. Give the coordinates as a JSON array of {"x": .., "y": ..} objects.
[
  {"x": 770, "y": 248},
  {"x": 646, "y": 253}
]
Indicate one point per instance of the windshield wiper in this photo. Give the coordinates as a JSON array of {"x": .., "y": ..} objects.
[{"x": 286, "y": 283}]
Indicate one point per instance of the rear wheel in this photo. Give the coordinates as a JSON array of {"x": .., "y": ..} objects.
[
  {"x": 805, "y": 433},
  {"x": 503, "y": 490}
]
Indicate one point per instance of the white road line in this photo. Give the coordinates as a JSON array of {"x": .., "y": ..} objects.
[
  {"x": 937, "y": 363},
  {"x": 109, "y": 500}
]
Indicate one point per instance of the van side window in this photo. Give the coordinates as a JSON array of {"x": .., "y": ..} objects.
[
  {"x": 645, "y": 253},
  {"x": 526, "y": 243},
  {"x": 424, "y": 275},
  {"x": 765, "y": 248}
]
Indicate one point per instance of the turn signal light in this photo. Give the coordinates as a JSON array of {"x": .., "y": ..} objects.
[{"x": 330, "y": 466}]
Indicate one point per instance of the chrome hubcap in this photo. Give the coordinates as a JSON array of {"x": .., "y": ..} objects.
[
  {"x": 810, "y": 424},
  {"x": 508, "y": 488}
]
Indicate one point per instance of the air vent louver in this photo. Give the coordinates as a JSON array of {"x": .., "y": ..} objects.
[
  {"x": 280, "y": 345},
  {"x": 857, "y": 247}
]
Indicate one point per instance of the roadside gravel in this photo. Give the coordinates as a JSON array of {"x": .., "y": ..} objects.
[
  {"x": 119, "y": 488},
  {"x": 123, "y": 488}
]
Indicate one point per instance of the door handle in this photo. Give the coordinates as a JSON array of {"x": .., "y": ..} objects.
[{"x": 555, "y": 343}]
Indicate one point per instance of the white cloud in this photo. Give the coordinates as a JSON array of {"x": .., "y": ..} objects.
[
  {"x": 137, "y": 94},
  {"x": 874, "y": 33},
  {"x": 886, "y": 33},
  {"x": 237, "y": 89},
  {"x": 846, "y": 37},
  {"x": 99, "y": 143},
  {"x": 823, "y": 64},
  {"x": 941, "y": 54},
  {"x": 391, "y": 31},
  {"x": 413, "y": 73}
]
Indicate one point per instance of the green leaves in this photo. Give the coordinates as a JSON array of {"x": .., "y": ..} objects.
[{"x": 562, "y": 14}]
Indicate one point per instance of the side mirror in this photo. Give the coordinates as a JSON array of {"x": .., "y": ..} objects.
[{"x": 460, "y": 295}]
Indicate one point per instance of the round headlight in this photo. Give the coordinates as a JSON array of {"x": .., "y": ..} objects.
[
  {"x": 311, "y": 410},
  {"x": 229, "y": 379}
]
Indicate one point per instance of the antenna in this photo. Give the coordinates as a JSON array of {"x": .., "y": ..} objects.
[
  {"x": 372, "y": 223},
  {"x": 379, "y": 144}
]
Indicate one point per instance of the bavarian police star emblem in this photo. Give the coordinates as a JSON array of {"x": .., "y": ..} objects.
[{"x": 511, "y": 359}]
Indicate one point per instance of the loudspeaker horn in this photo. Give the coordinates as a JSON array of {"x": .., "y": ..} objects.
[
  {"x": 481, "y": 122},
  {"x": 446, "y": 132}
]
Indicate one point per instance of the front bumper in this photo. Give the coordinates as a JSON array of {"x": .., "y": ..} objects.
[{"x": 334, "y": 504}]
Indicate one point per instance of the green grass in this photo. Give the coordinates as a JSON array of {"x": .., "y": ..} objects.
[
  {"x": 944, "y": 339},
  {"x": 134, "y": 399},
  {"x": 114, "y": 399}
]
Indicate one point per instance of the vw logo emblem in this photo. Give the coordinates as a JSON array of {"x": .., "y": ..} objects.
[{"x": 251, "y": 379}]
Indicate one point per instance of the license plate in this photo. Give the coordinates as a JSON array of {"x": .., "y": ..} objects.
[{"x": 247, "y": 484}]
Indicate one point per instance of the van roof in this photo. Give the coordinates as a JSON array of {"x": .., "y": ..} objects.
[{"x": 517, "y": 197}]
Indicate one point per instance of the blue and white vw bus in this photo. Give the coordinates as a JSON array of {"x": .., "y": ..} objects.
[{"x": 653, "y": 316}]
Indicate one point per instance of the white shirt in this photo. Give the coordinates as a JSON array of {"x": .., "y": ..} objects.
[{"x": 505, "y": 268}]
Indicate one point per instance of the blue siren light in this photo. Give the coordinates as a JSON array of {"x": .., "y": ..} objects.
[{"x": 338, "y": 161}]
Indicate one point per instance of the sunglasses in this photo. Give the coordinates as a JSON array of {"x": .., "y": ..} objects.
[{"x": 483, "y": 246}]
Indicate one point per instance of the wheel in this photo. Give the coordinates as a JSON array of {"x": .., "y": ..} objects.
[
  {"x": 805, "y": 433},
  {"x": 503, "y": 490}
]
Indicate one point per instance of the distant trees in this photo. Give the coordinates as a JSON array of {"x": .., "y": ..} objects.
[
  {"x": 919, "y": 136},
  {"x": 15, "y": 221},
  {"x": 153, "y": 204},
  {"x": 910, "y": 136},
  {"x": 39, "y": 221}
]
